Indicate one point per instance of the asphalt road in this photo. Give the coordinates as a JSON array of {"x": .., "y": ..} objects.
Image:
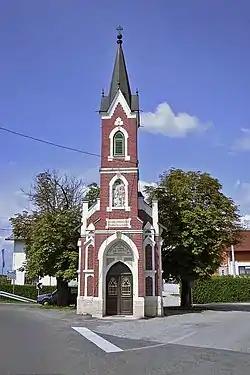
[{"x": 42, "y": 342}]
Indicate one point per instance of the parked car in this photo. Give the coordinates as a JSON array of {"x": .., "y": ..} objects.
[{"x": 51, "y": 298}]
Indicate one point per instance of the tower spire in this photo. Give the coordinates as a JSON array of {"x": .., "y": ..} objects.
[{"x": 119, "y": 80}]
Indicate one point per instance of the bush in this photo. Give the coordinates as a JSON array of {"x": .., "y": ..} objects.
[
  {"x": 222, "y": 289},
  {"x": 4, "y": 279},
  {"x": 28, "y": 291}
]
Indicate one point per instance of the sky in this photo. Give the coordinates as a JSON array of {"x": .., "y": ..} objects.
[{"x": 189, "y": 59}]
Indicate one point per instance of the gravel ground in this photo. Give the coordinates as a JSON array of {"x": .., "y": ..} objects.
[
  {"x": 40, "y": 341},
  {"x": 212, "y": 329}
]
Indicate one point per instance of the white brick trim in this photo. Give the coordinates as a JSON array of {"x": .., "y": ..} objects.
[
  {"x": 116, "y": 170},
  {"x": 111, "y": 156},
  {"x": 119, "y": 99},
  {"x": 106, "y": 244},
  {"x": 126, "y": 207}
]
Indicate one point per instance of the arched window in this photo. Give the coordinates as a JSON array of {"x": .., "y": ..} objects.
[
  {"x": 119, "y": 144},
  {"x": 149, "y": 286},
  {"x": 148, "y": 256}
]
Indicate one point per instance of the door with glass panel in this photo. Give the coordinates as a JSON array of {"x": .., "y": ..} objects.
[{"x": 119, "y": 290}]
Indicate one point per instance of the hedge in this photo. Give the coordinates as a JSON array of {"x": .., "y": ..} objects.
[
  {"x": 222, "y": 289},
  {"x": 216, "y": 289},
  {"x": 28, "y": 291}
]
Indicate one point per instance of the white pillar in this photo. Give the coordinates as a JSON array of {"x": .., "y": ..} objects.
[
  {"x": 155, "y": 216},
  {"x": 233, "y": 260},
  {"x": 84, "y": 217},
  {"x": 79, "y": 271}
]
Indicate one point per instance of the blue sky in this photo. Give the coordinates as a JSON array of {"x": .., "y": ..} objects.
[{"x": 190, "y": 57}]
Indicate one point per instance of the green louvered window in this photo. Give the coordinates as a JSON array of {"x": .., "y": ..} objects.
[{"x": 119, "y": 144}]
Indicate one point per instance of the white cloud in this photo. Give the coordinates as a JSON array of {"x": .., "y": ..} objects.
[
  {"x": 142, "y": 184},
  {"x": 245, "y": 221},
  {"x": 243, "y": 142},
  {"x": 243, "y": 191},
  {"x": 242, "y": 198},
  {"x": 11, "y": 202},
  {"x": 237, "y": 183},
  {"x": 87, "y": 176},
  {"x": 164, "y": 121}
]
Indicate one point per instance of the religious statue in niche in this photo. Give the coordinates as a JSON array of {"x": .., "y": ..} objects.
[{"x": 118, "y": 194}]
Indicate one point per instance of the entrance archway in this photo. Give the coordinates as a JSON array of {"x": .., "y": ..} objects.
[{"x": 119, "y": 290}]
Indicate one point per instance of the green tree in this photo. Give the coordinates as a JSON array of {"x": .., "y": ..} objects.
[
  {"x": 50, "y": 230},
  {"x": 51, "y": 191},
  {"x": 199, "y": 222},
  {"x": 92, "y": 194}
]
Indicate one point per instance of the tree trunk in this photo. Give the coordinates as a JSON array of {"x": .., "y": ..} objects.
[
  {"x": 186, "y": 296},
  {"x": 62, "y": 292}
]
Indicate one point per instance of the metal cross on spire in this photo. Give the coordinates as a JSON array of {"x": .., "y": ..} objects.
[
  {"x": 119, "y": 29},
  {"x": 119, "y": 36}
]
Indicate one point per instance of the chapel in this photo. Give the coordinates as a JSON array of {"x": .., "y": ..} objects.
[{"x": 120, "y": 270}]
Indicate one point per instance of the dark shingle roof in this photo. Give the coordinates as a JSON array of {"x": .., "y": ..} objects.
[
  {"x": 13, "y": 238},
  {"x": 120, "y": 81}
]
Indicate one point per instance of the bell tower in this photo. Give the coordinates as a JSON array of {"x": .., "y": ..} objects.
[
  {"x": 119, "y": 113},
  {"x": 120, "y": 247}
]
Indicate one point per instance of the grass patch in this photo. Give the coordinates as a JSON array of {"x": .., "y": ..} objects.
[
  {"x": 55, "y": 307},
  {"x": 13, "y": 301},
  {"x": 8, "y": 300}
]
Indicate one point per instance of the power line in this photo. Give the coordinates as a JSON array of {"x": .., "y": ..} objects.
[
  {"x": 54, "y": 144},
  {"x": 48, "y": 142}
]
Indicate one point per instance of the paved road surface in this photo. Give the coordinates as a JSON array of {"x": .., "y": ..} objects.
[{"x": 42, "y": 342}]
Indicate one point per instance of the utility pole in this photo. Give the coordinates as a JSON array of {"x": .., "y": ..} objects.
[{"x": 3, "y": 261}]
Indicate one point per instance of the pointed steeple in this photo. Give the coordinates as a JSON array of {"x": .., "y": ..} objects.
[{"x": 120, "y": 80}]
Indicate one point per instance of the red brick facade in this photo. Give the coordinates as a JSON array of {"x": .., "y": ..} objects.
[
  {"x": 110, "y": 223},
  {"x": 90, "y": 286}
]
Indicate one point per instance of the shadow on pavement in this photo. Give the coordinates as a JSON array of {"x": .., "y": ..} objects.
[
  {"x": 226, "y": 306},
  {"x": 177, "y": 310}
]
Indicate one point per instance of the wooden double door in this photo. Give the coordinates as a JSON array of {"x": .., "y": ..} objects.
[{"x": 119, "y": 290}]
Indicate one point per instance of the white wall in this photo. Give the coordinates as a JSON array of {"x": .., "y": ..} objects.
[
  {"x": 19, "y": 247},
  {"x": 235, "y": 267},
  {"x": 171, "y": 288},
  {"x": 48, "y": 281},
  {"x": 171, "y": 294},
  {"x": 223, "y": 270},
  {"x": 19, "y": 257}
]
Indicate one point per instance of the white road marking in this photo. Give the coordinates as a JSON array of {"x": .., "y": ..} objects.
[
  {"x": 181, "y": 338},
  {"x": 99, "y": 341},
  {"x": 162, "y": 344},
  {"x": 146, "y": 347}
]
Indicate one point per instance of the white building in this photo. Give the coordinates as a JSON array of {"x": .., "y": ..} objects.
[
  {"x": 237, "y": 257},
  {"x": 19, "y": 262}
]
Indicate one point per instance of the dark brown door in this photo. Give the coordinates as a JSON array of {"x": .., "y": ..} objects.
[{"x": 119, "y": 291}]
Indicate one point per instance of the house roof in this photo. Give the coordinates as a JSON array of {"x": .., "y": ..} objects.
[
  {"x": 13, "y": 238},
  {"x": 244, "y": 245}
]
